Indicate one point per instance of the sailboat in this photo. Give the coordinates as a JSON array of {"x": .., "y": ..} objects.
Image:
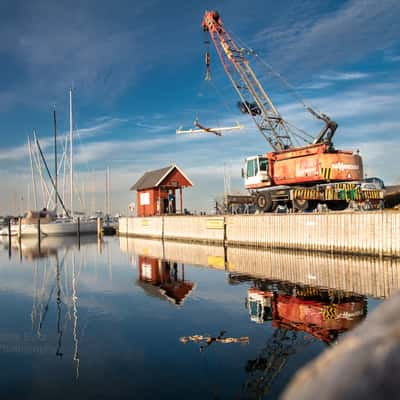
[{"x": 48, "y": 222}]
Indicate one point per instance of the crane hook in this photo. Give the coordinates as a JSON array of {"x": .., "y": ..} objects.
[{"x": 208, "y": 71}]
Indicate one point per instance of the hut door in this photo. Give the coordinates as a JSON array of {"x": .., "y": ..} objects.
[{"x": 164, "y": 206}]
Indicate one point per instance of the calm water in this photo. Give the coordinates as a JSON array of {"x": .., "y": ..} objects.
[{"x": 106, "y": 321}]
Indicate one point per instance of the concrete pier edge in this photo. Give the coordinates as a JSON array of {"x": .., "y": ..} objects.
[{"x": 368, "y": 233}]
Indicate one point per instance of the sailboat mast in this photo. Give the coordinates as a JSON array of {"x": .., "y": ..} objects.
[
  {"x": 71, "y": 139},
  {"x": 33, "y": 174},
  {"x": 108, "y": 211},
  {"x": 55, "y": 161}
]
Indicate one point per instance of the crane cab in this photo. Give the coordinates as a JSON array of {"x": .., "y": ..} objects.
[
  {"x": 256, "y": 172},
  {"x": 259, "y": 305}
]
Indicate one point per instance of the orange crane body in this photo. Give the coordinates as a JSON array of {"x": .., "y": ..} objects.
[{"x": 311, "y": 165}]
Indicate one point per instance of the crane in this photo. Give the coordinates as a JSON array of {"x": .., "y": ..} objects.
[
  {"x": 278, "y": 132},
  {"x": 297, "y": 176}
]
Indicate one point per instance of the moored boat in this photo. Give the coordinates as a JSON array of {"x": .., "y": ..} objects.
[{"x": 50, "y": 225}]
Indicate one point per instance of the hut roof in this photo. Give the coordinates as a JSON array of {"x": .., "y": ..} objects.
[{"x": 152, "y": 179}]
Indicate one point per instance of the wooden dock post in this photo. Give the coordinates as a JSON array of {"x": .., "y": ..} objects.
[
  {"x": 78, "y": 232},
  {"x": 19, "y": 228},
  {"x": 99, "y": 245},
  {"x": 99, "y": 228},
  {"x": 38, "y": 232},
  {"x": 9, "y": 238}
]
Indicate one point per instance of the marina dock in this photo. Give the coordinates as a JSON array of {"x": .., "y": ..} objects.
[{"x": 374, "y": 233}]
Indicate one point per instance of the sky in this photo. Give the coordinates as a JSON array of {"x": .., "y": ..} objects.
[{"x": 137, "y": 72}]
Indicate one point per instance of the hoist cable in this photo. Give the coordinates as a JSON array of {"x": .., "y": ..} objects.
[
  {"x": 209, "y": 82},
  {"x": 277, "y": 75}
]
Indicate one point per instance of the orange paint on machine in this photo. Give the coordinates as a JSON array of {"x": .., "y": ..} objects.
[{"x": 313, "y": 167}]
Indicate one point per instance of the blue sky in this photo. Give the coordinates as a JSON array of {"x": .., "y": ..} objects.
[{"x": 137, "y": 69}]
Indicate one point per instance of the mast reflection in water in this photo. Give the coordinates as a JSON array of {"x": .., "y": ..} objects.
[
  {"x": 127, "y": 317},
  {"x": 55, "y": 281}
]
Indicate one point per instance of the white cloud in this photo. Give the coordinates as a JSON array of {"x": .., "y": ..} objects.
[
  {"x": 393, "y": 58},
  {"x": 116, "y": 149},
  {"x": 344, "y": 76},
  {"x": 58, "y": 46},
  {"x": 105, "y": 124},
  {"x": 315, "y": 86},
  {"x": 312, "y": 42},
  {"x": 381, "y": 158},
  {"x": 14, "y": 153},
  {"x": 364, "y": 102},
  {"x": 21, "y": 151},
  {"x": 328, "y": 79},
  {"x": 378, "y": 129}
]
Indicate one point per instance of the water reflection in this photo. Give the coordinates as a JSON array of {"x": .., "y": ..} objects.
[
  {"x": 30, "y": 248},
  {"x": 375, "y": 277},
  {"x": 93, "y": 310},
  {"x": 269, "y": 363},
  {"x": 300, "y": 316},
  {"x": 56, "y": 269},
  {"x": 322, "y": 313},
  {"x": 163, "y": 279}
]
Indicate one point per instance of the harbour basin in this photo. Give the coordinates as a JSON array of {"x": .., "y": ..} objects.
[{"x": 129, "y": 317}]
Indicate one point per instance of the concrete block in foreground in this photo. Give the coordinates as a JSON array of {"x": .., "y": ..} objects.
[{"x": 365, "y": 365}]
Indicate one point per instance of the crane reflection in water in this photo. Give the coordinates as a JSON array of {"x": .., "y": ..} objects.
[{"x": 300, "y": 316}]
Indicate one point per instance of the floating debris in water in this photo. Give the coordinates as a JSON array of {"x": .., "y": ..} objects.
[{"x": 207, "y": 340}]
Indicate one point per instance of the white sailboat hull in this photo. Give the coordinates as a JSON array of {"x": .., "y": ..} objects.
[{"x": 56, "y": 228}]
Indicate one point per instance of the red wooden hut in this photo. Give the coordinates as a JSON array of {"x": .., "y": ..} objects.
[{"x": 156, "y": 191}]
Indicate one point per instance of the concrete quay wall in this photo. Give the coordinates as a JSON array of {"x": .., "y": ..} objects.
[
  {"x": 145, "y": 227},
  {"x": 368, "y": 233},
  {"x": 203, "y": 229}
]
